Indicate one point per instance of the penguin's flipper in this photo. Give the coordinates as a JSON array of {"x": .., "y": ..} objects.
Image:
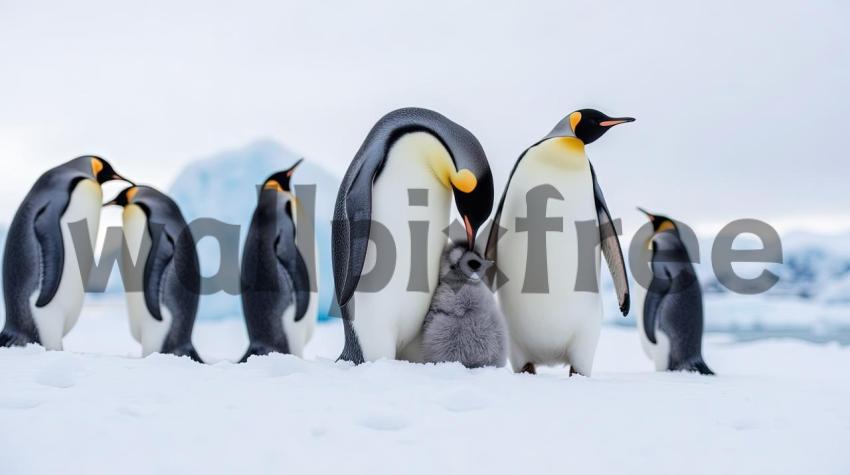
[
  {"x": 610, "y": 244},
  {"x": 161, "y": 254},
  {"x": 48, "y": 232},
  {"x": 658, "y": 289},
  {"x": 294, "y": 265},
  {"x": 353, "y": 216}
]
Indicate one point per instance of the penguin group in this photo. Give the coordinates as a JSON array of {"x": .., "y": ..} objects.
[{"x": 528, "y": 295}]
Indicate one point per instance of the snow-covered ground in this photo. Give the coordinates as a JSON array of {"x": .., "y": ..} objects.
[{"x": 778, "y": 406}]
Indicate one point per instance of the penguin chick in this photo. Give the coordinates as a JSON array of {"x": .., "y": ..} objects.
[{"x": 464, "y": 323}]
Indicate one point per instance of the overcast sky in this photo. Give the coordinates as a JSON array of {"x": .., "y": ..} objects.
[{"x": 743, "y": 110}]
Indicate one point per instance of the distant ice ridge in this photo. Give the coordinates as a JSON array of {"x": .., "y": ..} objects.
[{"x": 224, "y": 187}]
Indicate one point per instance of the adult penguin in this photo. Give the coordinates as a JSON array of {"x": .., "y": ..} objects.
[
  {"x": 280, "y": 309},
  {"x": 671, "y": 320},
  {"x": 551, "y": 297},
  {"x": 397, "y": 192},
  {"x": 162, "y": 295},
  {"x": 42, "y": 278}
]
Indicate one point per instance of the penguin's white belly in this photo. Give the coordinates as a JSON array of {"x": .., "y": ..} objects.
[
  {"x": 59, "y": 316},
  {"x": 299, "y": 333},
  {"x": 146, "y": 330},
  {"x": 545, "y": 324},
  {"x": 658, "y": 352},
  {"x": 389, "y": 321}
]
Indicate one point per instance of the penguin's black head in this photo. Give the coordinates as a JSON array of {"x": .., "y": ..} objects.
[
  {"x": 124, "y": 197},
  {"x": 102, "y": 171},
  {"x": 590, "y": 124},
  {"x": 281, "y": 180},
  {"x": 659, "y": 222},
  {"x": 468, "y": 174}
]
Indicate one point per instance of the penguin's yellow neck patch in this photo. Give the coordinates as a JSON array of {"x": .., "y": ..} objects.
[
  {"x": 575, "y": 118},
  {"x": 96, "y": 166},
  {"x": 444, "y": 169},
  {"x": 273, "y": 185},
  {"x": 561, "y": 152},
  {"x": 131, "y": 193},
  {"x": 665, "y": 226}
]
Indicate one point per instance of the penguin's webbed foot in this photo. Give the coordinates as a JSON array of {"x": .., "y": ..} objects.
[
  {"x": 10, "y": 338},
  {"x": 529, "y": 368}
]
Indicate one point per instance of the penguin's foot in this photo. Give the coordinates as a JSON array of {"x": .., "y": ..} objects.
[
  {"x": 13, "y": 338},
  {"x": 573, "y": 371},
  {"x": 189, "y": 351},
  {"x": 528, "y": 368}
]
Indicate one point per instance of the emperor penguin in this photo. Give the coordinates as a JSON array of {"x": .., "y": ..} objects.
[
  {"x": 279, "y": 306},
  {"x": 551, "y": 297},
  {"x": 162, "y": 296},
  {"x": 42, "y": 278},
  {"x": 397, "y": 194},
  {"x": 670, "y": 320}
]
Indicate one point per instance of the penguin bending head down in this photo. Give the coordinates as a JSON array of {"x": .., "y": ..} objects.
[
  {"x": 280, "y": 308},
  {"x": 670, "y": 319},
  {"x": 162, "y": 301},
  {"x": 551, "y": 297},
  {"x": 397, "y": 192},
  {"x": 42, "y": 279}
]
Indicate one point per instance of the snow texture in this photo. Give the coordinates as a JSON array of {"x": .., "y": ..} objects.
[{"x": 777, "y": 406}]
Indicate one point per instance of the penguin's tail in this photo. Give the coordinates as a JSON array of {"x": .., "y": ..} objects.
[
  {"x": 696, "y": 365},
  {"x": 188, "y": 350}
]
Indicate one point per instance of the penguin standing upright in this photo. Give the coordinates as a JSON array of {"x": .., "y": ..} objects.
[
  {"x": 280, "y": 308},
  {"x": 670, "y": 320},
  {"x": 162, "y": 300},
  {"x": 398, "y": 191},
  {"x": 42, "y": 278},
  {"x": 550, "y": 298}
]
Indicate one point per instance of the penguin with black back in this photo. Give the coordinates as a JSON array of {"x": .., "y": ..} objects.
[
  {"x": 671, "y": 319},
  {"x": 279, "y": 307},
  {"x": 43, "y": 283},
  {"x": 163, "y": 304}
]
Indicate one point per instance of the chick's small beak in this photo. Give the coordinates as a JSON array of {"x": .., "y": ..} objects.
[{"x": 616, "y": 121}]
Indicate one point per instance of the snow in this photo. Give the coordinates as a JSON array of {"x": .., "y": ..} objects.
[{"x": 778, "y": 406}]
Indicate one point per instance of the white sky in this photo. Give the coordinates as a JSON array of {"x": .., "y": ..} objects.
[{"x": 742, "y": 109}]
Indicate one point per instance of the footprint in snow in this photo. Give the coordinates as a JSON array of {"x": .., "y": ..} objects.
[
  {"x": 464, "y": 400},
  {"x": 57, "y": 375},
  {"x": 18, "y": 403},
  {"x": 383, "y": 422}
]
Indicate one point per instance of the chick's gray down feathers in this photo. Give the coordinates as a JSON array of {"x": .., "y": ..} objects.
[{"x": 464, "y": 323}]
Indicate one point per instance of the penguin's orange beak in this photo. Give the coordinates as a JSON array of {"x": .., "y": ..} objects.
[
  {"x": 616, "y": 121},
  {"x": 470, "y": 233}
]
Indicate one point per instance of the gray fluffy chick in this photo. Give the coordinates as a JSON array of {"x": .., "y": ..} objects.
[{"x": 464, "y": 323}]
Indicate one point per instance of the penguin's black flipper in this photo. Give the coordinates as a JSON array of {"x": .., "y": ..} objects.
[
  {"x": 658, "y": 289},
  {"x": 353, "y": 213},
  {"x": 610, "y": 244},
  {"x": 161, "y": 254},
  {"x": 293, "y": 262},
  {"x": 48, "y": 232}
]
